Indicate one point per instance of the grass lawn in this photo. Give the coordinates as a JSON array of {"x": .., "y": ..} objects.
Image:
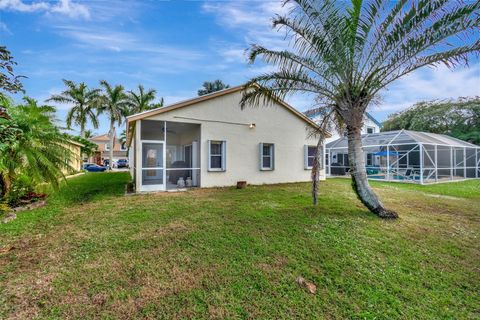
[{"x": 227, "y": 253}]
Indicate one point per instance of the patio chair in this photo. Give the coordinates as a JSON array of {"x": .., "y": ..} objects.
[{"x": 411, "y": 174}]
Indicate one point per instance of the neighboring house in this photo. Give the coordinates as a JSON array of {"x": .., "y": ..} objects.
[
  {"x": 370, "y": 124},
  {"x": 103, "y": 150},
  {"x": 210, "y": 141},
  {"x": 75, "y": 157}
]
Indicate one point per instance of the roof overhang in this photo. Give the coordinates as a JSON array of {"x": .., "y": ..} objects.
[{"x": 75, "y": 143}]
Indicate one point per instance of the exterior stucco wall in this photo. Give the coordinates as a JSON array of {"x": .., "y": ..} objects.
[
  {"x": 273, "y": 124},
  {"x": 75, "y": 158}
]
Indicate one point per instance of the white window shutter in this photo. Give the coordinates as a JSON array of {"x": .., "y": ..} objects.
[
  {"x": 273, "y": 157},
  {"x": 260, "y": 162},
  {"x": 224, "y": 155},
  {"x": 305, "y": 157},
  {"x": 209, "y": 155}
]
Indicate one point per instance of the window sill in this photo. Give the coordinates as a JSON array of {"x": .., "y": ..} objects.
[
  {"x": 216, "y": 170},
  {"x": 266, "y": 169}
]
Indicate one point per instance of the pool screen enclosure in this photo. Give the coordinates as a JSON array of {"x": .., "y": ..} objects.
[{"x": 409, "y": 156}]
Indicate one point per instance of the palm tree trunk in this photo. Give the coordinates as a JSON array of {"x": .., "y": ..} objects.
[
  {"x": 316, "y": 170},
  {"x": 111, "y": 135},
  {"x": 82, "y": 131},
  {"x": 359, "y": 175}
]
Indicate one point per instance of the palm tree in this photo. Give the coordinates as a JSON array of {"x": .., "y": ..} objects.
[
  {"x": 209, "y": 87},
  {"x": 88, "y": 134},
  {"x": 84, "y": 103},
  {"x": 142, "y": 101},
  {"x": 114, "y": 102},
  {"x": 345, "y": 53},
  {"x": 123, "y": 137},
  {"x": 23, "y": 150}
]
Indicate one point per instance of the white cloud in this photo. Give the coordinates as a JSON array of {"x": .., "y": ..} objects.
[
  {"x": 251, "y": 19},
  {"x": 118, "y": 41},
  {"x": 71, "y": 9},
  {"x": 233, "y": 55},
  {"x": 431, "y": 84},
  {"x": 19, "y": 5},
  {"x": 246, "y": 13},
  {"x": 62, "y": 7}
]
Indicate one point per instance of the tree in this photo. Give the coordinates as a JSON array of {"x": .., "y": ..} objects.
[
  {"x": 142, "y": 100},
  {"x": 114, "y": 102},
  {"x": 123, "y": 137},
  {"x": 458, "y": 118},
  {"x": 89, "y": 134},
  {"x": 88, "y": 148},
  {"x": 8, "y": 80},
  {"x": 209, "y": 87},
  {"x": 84, "y": 103},
  {"x": 24, "y": 149},
  {"x": 345, "y": 53}
]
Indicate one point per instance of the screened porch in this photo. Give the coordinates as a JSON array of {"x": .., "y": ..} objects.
[
  {"x": 170, "y": 155},
  {"x": 409, "y": 156}
]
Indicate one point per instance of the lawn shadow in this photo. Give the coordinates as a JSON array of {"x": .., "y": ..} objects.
[{"x": 88, "y": 188}]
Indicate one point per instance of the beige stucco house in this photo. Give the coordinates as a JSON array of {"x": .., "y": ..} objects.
[
  {"x": 210, "y": 141},
  {"x": 103, "y": 149}
]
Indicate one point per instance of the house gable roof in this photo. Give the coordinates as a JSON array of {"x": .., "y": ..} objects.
[
  {"x": 101, "y": 137},
  {"x": 378, "y": 123},
  {"x": 189, "y": 102}
]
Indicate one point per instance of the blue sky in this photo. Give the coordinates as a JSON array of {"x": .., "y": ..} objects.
[{"x": 171, "y": 46}]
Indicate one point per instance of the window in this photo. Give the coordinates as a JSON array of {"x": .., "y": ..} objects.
[
  {"x": 123, "y": 146},
  {"x": 309, "y": 156},
  {"x": 267, "y": 158},
  {"x": 216, "y": 155},
  {"x": 107, "y": 146},
  {"x": 370, "y": 129}
]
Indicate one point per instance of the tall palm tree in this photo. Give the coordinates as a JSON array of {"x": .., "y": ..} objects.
[
  {"x": 346, "y": 52},
  {"x": 114, "y": 102},
  {"x": 23, "y": 149},
  {"x": 84, "y": 103},
  {"x": 142, "y": 100},
  {"x": 209, "y": 87}
]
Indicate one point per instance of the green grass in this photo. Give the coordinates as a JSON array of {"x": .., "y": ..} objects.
[
  {"x": 227, "y": 253},
  {"x": 463, "y": 189}
]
